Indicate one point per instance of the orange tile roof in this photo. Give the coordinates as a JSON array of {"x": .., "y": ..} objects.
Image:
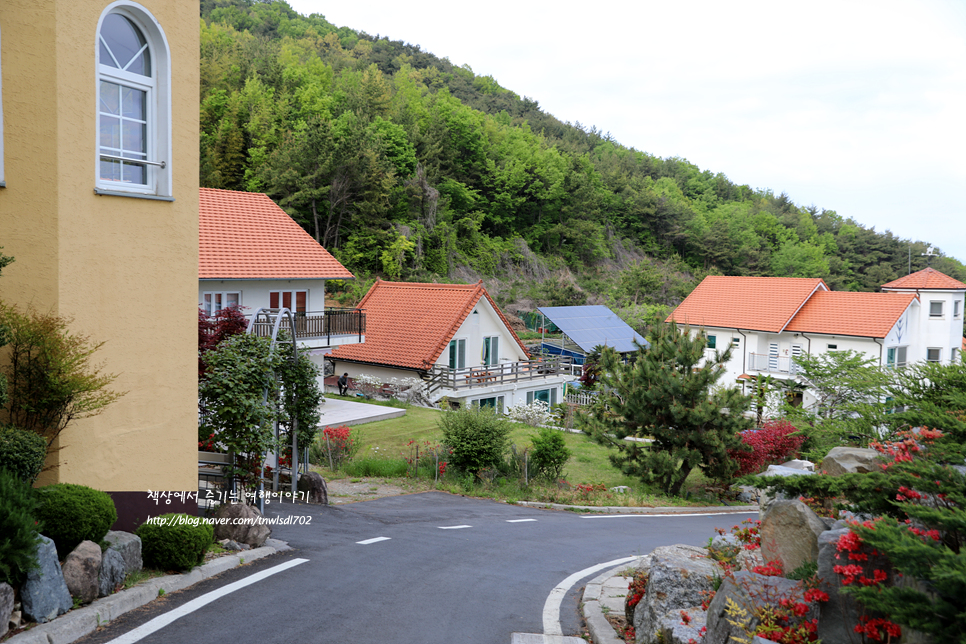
[
  {"x": 926, "y": 279},
  {"x": 245, "y": 235},
  {"x": 410, "y": 324},
  {"x": 870, "y": 315},
  {"x": 754, "y": 303}
]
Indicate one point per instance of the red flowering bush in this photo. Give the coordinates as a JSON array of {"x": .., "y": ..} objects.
[
  {"x": 771, "y": 443},
  {"x": 335, "y": 446}
]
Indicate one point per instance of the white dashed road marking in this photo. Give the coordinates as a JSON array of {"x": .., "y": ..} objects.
[
  {"x": 454, "y": 527},
  {"x": 519, "y": 520},
  {"x": 375, "y": 540}
]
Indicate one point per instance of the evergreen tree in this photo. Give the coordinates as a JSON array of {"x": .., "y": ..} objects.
[{"x": 669, "y": 392}]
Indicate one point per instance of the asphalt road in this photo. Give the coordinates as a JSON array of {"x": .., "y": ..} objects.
[{"x": 447, "y": 569}]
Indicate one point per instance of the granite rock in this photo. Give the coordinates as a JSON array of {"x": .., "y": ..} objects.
[{"x": 44, "y": 594}]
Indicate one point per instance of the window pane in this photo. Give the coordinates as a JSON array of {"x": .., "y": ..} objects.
[
  {"x": 901, "y": 357},
  {"x": 712, "y": 342},
  {"x": 935, "y": 309},
  {"x": 110, "y": 134},
  {"x": 452, "y": 354},
  {"x": 134, "y": 174},
  {"x": 132, "y": 102},
  {"x": 134, "y": 137},
  {"x": 111, "y": 170},
  {"x": 110, "y": 98},
  {"x": 104, "y": 56},
  {"x": 231, "y": 299},
  {"x": 141, "y": 63},
  {"x": 932, "y": 355},
  {"x": 124, "y": 40}
]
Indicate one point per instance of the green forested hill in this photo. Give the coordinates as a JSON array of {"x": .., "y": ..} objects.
[{"x": 407, "y": 166}]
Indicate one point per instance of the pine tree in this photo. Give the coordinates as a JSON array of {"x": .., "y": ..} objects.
[{"x": 669, "y": 392}]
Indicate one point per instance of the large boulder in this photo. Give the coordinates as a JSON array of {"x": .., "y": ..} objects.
[
  {"x": 82, "y": 569},
  {"x": 799, "y": 464},
  {"x": 843, "y": 460},
  {"x": 314, "y": 485},
  {"x": 112, "y": 572},
  {"x": 840, "y": 613},
  {"x": 246, "y": 525},
  {"x": 676, "y": 579},
  {"x": 746, "y": 591},
  {"x": 6, "y": 607},
  {"x": 44, "y": 594},
  {"x": 789, "y": 533},
  {"x": 674, "y": 629},
  {"x": 128, "y": 546}
]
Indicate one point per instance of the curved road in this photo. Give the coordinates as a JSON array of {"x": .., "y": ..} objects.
[{"x": 431, "y": 568}]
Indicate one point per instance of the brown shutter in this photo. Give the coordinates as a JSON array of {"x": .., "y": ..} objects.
[
  {"x": 300, "y": 301},
  {"x": 273, "y": 300}
]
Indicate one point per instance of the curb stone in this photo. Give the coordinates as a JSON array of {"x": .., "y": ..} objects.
[
  {"x": 616, "y": 509},
  {"x": 77, "y": 623},
  {"x": 601, "y": 631}
]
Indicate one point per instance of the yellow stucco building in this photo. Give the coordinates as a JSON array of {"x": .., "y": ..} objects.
[{"x": 99, "y": 206}]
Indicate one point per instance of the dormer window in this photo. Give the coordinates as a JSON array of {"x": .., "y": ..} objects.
[{"x": 133, "y": 113}]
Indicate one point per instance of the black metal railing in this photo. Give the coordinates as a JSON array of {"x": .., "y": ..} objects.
[{"x": 318, "y": 324}]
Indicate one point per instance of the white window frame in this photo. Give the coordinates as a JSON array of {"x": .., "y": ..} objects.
[
  {"x": 224, "y": 298},
  {"x": 939, "y": 354},
  {"x": 459, "y": 344},
  {"x": 936, "y": 316},
  {"x": 954, "y": 355},
  {"x": 494, "y": 355},
  {"x": 551, "y": 394},
  {"x": 293, "y": 297},
  {"x": 897, "y": 357},
  {"x": 832, "y": 347},
  {"x": 158, "y": 105},
  {"x": 957, "y": 304},
  {"x": 498, "y": 403}
]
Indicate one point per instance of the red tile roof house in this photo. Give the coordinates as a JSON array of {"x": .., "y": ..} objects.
[
  {"x": 253, "y": 254},
  {"x": 771, "y": 320},
  {"x": 454, "y": 337}
]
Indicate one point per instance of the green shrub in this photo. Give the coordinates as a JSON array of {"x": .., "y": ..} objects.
[
  {"x": 477, "y": 436},
  {"x": 549, "y": 454},
  {"x": 18, "y": 545},
  {"x": 22, "y": 453},
  {"x": 175, "y": 541},
  {"x": 74, "y": 513}
]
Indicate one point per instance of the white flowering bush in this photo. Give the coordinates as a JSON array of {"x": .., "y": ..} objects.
[
  {"x": 410, "y": 390},
  {"x": 535, "y": 414},
  {"x": 368, "y": 385}
]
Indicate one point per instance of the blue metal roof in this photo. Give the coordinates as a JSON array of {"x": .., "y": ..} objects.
[{"x": 590, "y": 326}]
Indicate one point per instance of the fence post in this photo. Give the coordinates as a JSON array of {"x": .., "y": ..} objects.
[{"x": 328, "y": 449}]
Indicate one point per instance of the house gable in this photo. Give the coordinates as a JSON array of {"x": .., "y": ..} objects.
[{"x": 409, "y": 325}]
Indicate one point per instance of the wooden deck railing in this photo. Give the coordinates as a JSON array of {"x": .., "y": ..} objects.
[{"x": 504, "y": 373}]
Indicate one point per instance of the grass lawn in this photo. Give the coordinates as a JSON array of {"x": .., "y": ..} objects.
[{"x": 588, "y": 464}]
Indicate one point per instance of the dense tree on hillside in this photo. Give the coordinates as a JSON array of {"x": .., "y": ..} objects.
[{"x": 383, "y": 150}]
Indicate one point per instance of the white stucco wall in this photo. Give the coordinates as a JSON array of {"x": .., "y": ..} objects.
[
  {"x": 482, "y": 322},
  {"x": 254, "y": 293}
]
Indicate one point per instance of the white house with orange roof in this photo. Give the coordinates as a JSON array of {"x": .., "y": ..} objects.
[
  {"x": 252, "y": 254},
  {"x": 455, "y": 338},
  {"x": 769, "y": 321}
]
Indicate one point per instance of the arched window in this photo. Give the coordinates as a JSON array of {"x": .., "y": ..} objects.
[{"x": 134, "y": 106}]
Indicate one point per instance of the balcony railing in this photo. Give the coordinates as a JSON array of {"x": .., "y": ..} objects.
[
  {"x": 312, "y": 325},
  {"x": 772, "y": 363},
  {"x": 504, "y": 373}
]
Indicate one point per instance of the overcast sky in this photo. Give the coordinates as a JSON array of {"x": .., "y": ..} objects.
[{"x": 857, "y": 107}]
